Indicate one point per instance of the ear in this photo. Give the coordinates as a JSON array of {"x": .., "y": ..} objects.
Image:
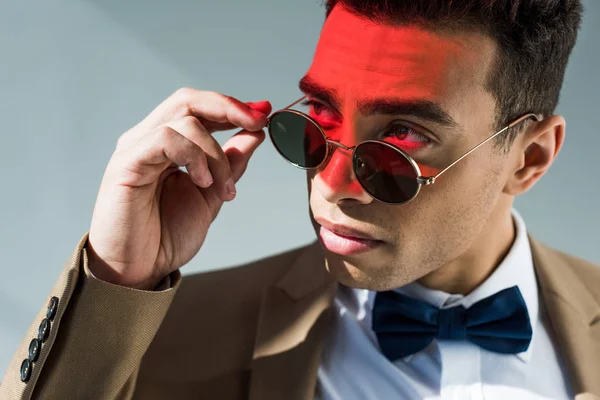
[{"x": 533, "y": 153}]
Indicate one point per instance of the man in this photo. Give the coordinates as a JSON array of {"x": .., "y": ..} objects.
[{"x": 421, "y": 285}]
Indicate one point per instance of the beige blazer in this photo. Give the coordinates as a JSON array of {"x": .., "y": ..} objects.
[{"x": 250, "y": 332}]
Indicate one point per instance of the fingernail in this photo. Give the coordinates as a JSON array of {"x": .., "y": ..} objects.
[
  {"x": 230, "y": 186},
  {"x": 208, "y": 178},
  {"x": 253, "y": 104}
]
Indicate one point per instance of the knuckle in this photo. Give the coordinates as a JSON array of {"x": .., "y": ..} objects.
[
  {"x": 120, "y": 142},
  {"x": 192, "y": 122},
  {"x": 126, "y": 138},
  {"x": 223, "y": 99},
  {"x": 184, "y": 93},
  {"x": 182, "y": 99},
  {"x": 231, "y": 101},
  {"x": 212, "y": 93},
  {"x": 165, "y": 133}
]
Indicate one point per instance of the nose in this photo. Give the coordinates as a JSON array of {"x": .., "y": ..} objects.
[{"x": 336, "y": 181}]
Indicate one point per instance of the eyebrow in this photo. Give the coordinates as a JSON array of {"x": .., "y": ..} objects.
[
  {"x": 422, "y": 109},
  {"x": 313, "y": 89}
]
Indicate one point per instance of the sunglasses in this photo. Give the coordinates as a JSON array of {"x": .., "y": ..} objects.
[{"x": 385, "y": 172}]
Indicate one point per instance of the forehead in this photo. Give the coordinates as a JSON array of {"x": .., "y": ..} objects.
[{"x": 360, "y": 58}]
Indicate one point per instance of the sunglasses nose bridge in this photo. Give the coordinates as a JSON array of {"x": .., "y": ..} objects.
[
  {"x": 332, "y": 144},
  {"x": 338, "y": 144}
]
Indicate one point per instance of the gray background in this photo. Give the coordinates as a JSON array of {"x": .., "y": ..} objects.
[{"x": 75, "y": 75}]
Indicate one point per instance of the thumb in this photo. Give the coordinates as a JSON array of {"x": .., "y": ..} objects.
[{"x": 239, "y": 148}]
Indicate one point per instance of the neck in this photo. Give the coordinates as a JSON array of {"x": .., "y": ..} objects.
[{"x": 473, "y": 267}]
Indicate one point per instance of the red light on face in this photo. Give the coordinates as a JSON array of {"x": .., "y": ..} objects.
[{"x": 358, "y": 61}]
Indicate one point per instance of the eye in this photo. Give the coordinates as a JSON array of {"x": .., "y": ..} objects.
[
  {"x": 321, "y": 113},
  {"x": 404, "y": 134}
]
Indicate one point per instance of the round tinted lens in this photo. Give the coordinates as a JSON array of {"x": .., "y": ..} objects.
[
  {"x": 385, "y": 173},
  {"x": 298, "y": 139}
]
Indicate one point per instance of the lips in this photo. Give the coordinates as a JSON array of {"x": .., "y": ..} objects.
[
  {"x": 344, "y": 231},
  {"x": 344, "y": 240}
]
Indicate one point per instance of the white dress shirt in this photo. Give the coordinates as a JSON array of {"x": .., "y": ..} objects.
[{"x": 353, "y": 366}]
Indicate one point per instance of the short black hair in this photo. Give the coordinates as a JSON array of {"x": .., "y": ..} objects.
[{"x": 534, "y": 38}]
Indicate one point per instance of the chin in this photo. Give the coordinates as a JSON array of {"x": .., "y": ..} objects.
[{"x": 361, "y": 277}]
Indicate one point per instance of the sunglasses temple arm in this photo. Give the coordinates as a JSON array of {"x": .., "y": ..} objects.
[
  {"x": 431, "y": 179},
  {"x": 291, "y": 105},
  {"x": 469, "y": 152},
  {"x": 294, "y": 103}
]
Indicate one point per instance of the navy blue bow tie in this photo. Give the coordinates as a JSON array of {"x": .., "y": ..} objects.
[{"x": 499, "y": 323}]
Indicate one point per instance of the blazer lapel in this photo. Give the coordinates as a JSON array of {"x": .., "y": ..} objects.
[
  {"x": 574, "y": 316},
  {"x": 294, "y": 317}
]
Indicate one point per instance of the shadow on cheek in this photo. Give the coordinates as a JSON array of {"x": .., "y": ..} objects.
[{"x": 310, "y": 176}]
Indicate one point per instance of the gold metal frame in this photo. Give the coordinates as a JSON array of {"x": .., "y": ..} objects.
[{"x": 421, "y": 180}]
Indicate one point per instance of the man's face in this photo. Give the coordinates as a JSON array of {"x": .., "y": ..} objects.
[{"x": 356, "y": 62}]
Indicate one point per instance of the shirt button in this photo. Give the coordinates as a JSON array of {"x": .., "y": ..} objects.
[
  {"x": 44, "y": 330},
  {"x": 52, "y": 307},
  {"x": 25, "y": 370},
  {"x": 34, "y": 350}
]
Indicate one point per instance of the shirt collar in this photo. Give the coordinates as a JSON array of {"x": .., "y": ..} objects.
[{"x": 516, "y": 269}]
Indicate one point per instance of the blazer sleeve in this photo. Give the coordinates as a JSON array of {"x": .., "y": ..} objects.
[{"x": 88, "y": 340}]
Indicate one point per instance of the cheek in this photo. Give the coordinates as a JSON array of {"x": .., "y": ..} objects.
[
  {"x": 447, "y": 215},
  {"x": 464, "y": 201},
  {"x": 473, "y": 177}
]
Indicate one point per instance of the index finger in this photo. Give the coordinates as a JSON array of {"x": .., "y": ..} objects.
[
  {"x": 261, "y": 106},
  {"x": 211, "y": 107}
]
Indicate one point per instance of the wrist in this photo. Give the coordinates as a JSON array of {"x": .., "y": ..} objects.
[{"x": 103, "y": 271}]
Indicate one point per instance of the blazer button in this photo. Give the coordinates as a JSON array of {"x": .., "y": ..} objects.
[
  {"x": 52, "y": 307},
  {"x": 44, "y": 330},
  {"x": 25, "y": 370},
  {"x": 34, "y": 350}
]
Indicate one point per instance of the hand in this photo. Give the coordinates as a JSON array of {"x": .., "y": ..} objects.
[{"x": 150, "y": 217}]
